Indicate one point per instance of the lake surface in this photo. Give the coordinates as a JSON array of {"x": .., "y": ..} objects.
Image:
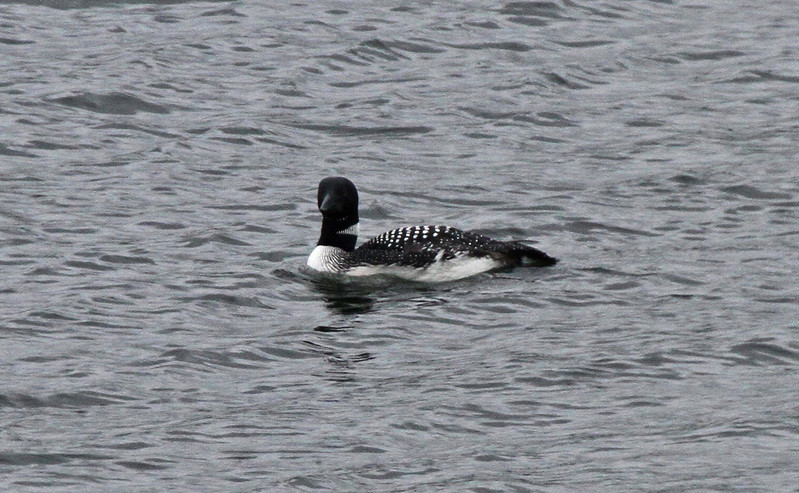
[{"x": 158, "y": 173}]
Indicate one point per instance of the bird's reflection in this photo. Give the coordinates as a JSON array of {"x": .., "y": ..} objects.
[
  {"x": 348, "y": 296},
  {"x": 345, "y": 298}
]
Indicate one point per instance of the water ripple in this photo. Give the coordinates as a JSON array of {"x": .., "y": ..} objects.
[
  {"x": 763, "y": 353},
  {"x": 63, "y": 400},
  {"x": 113, "y": 103}
]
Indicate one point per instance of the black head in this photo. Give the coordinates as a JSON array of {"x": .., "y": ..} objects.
[{"x": 338, "y": 200}]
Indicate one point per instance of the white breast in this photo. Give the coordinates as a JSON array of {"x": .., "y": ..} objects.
[{"x": 322, "y": 258}]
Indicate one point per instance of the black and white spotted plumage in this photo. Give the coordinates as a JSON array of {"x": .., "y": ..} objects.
[{"x": 425, "y": 253}]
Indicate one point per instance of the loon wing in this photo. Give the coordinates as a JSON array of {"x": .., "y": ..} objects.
[{"x": 419, "y": 246}]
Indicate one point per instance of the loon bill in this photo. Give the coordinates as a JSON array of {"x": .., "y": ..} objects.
[{"x": 418, "y": 253}]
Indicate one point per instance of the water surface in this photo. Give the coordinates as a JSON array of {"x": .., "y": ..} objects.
[{"x": 159, "y": 163}]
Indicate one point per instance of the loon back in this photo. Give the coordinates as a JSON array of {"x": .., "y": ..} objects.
[
  {"x": 419, "y": 246},
  {"x": 423, "y": 253}
]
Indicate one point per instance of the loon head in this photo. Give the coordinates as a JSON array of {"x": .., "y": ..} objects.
[{"x": 337, "y": 199}]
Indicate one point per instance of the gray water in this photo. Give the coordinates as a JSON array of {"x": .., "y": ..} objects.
[{"x": 159, "y": 168}]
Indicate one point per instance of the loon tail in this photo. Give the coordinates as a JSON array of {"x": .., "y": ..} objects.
[{"x": 527, "y": 256}]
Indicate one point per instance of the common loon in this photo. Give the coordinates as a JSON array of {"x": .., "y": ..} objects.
[{"x": 418, "y": 253}]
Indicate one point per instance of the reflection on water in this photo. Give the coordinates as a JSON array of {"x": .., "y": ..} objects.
[
  {"x": 346, "y": 297},
  {"x": 346, "y": 304}
]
